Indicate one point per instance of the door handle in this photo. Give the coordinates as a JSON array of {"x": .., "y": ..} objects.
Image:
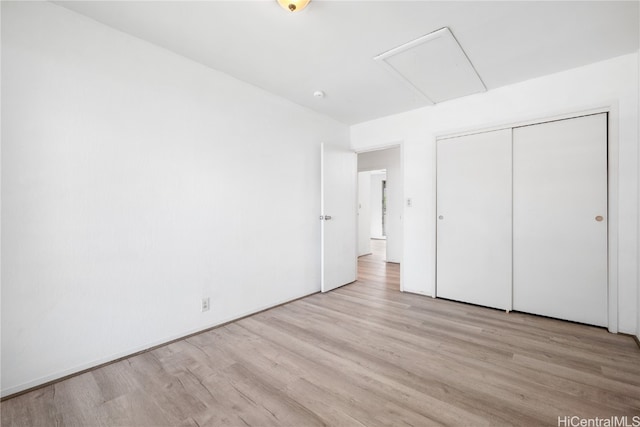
[
  {"x": 599, "y": 218},
  {"x": 327, "y": 217}
]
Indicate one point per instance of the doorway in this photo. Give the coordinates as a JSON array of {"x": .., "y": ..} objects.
[
  {"x": 380, "y": 203},
  {"x": 372, "y": 212}
]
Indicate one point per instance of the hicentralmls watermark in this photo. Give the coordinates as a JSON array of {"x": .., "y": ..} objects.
[{"x": 613, "y": 421}]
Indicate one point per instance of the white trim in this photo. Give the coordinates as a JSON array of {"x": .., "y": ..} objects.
[
  {"x": 530, "y": 120},
  {"x": 434, "y": 287},
  {"x": 322, "y": 285},
  {"x": 613, "y": 196},
  {"x": 510, "y": 300},
  {"x": 612, "y": 109},
  {"x": 402, "y": 216},
  {"x": 384, "y": 146}
]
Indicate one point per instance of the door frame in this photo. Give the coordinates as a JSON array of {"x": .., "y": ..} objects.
[
  {"x": 385, "y": 146},
  {"x": 612, "y": 110}
]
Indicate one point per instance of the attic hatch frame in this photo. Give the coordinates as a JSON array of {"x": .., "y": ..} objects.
[{"x": 442, "y": 33}]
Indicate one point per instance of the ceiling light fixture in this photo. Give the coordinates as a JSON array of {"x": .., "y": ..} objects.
[{"x": 293, "y": 5}]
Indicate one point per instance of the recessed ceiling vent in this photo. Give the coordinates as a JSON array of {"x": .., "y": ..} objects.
[{"x": 434, "y": 66}]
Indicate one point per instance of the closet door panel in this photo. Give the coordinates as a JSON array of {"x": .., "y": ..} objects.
[
  {"x": 474, "y": 219},
  {"x": 560, "y": 219}
]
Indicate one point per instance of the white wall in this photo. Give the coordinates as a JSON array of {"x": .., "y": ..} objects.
[
  {"x": 389, "y": 159},
  {"x": 134, "y": 183},
  {"x": 609, "y": 83},
  {"x": 364, "y": 213},
  {"x": 375, "y": 231}
]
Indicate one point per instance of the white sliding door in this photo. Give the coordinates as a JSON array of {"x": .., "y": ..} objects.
[
  {"x": 474, "y": 219},
  {"x": 560, "y": 219}
]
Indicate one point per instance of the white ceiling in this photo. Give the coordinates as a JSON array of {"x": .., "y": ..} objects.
[{"x": 330, "y": 45}]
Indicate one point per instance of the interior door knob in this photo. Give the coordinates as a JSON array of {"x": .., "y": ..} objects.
[
  {"x": 441, "y": 217},
  {"x": 327, "y": 217},
  {"x": 599, "y": 218}
]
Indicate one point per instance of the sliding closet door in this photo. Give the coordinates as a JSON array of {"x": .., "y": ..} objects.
[
  {"x": 474, "y": 219},
  {"x": 560, "y": 219}
]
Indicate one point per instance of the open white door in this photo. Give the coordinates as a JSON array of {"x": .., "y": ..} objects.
[{"x": 338, "y": 217}]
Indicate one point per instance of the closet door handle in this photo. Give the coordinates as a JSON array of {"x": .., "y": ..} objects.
[{"x": 599, "y": 218}]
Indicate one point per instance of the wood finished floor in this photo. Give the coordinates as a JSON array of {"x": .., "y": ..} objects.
[{"x": 362, "y": 355}]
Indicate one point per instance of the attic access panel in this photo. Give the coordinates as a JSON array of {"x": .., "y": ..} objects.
[{"x": 434, "y": 66}]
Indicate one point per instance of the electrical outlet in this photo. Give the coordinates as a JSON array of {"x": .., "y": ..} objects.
[{"x": 205, "y": 304}]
